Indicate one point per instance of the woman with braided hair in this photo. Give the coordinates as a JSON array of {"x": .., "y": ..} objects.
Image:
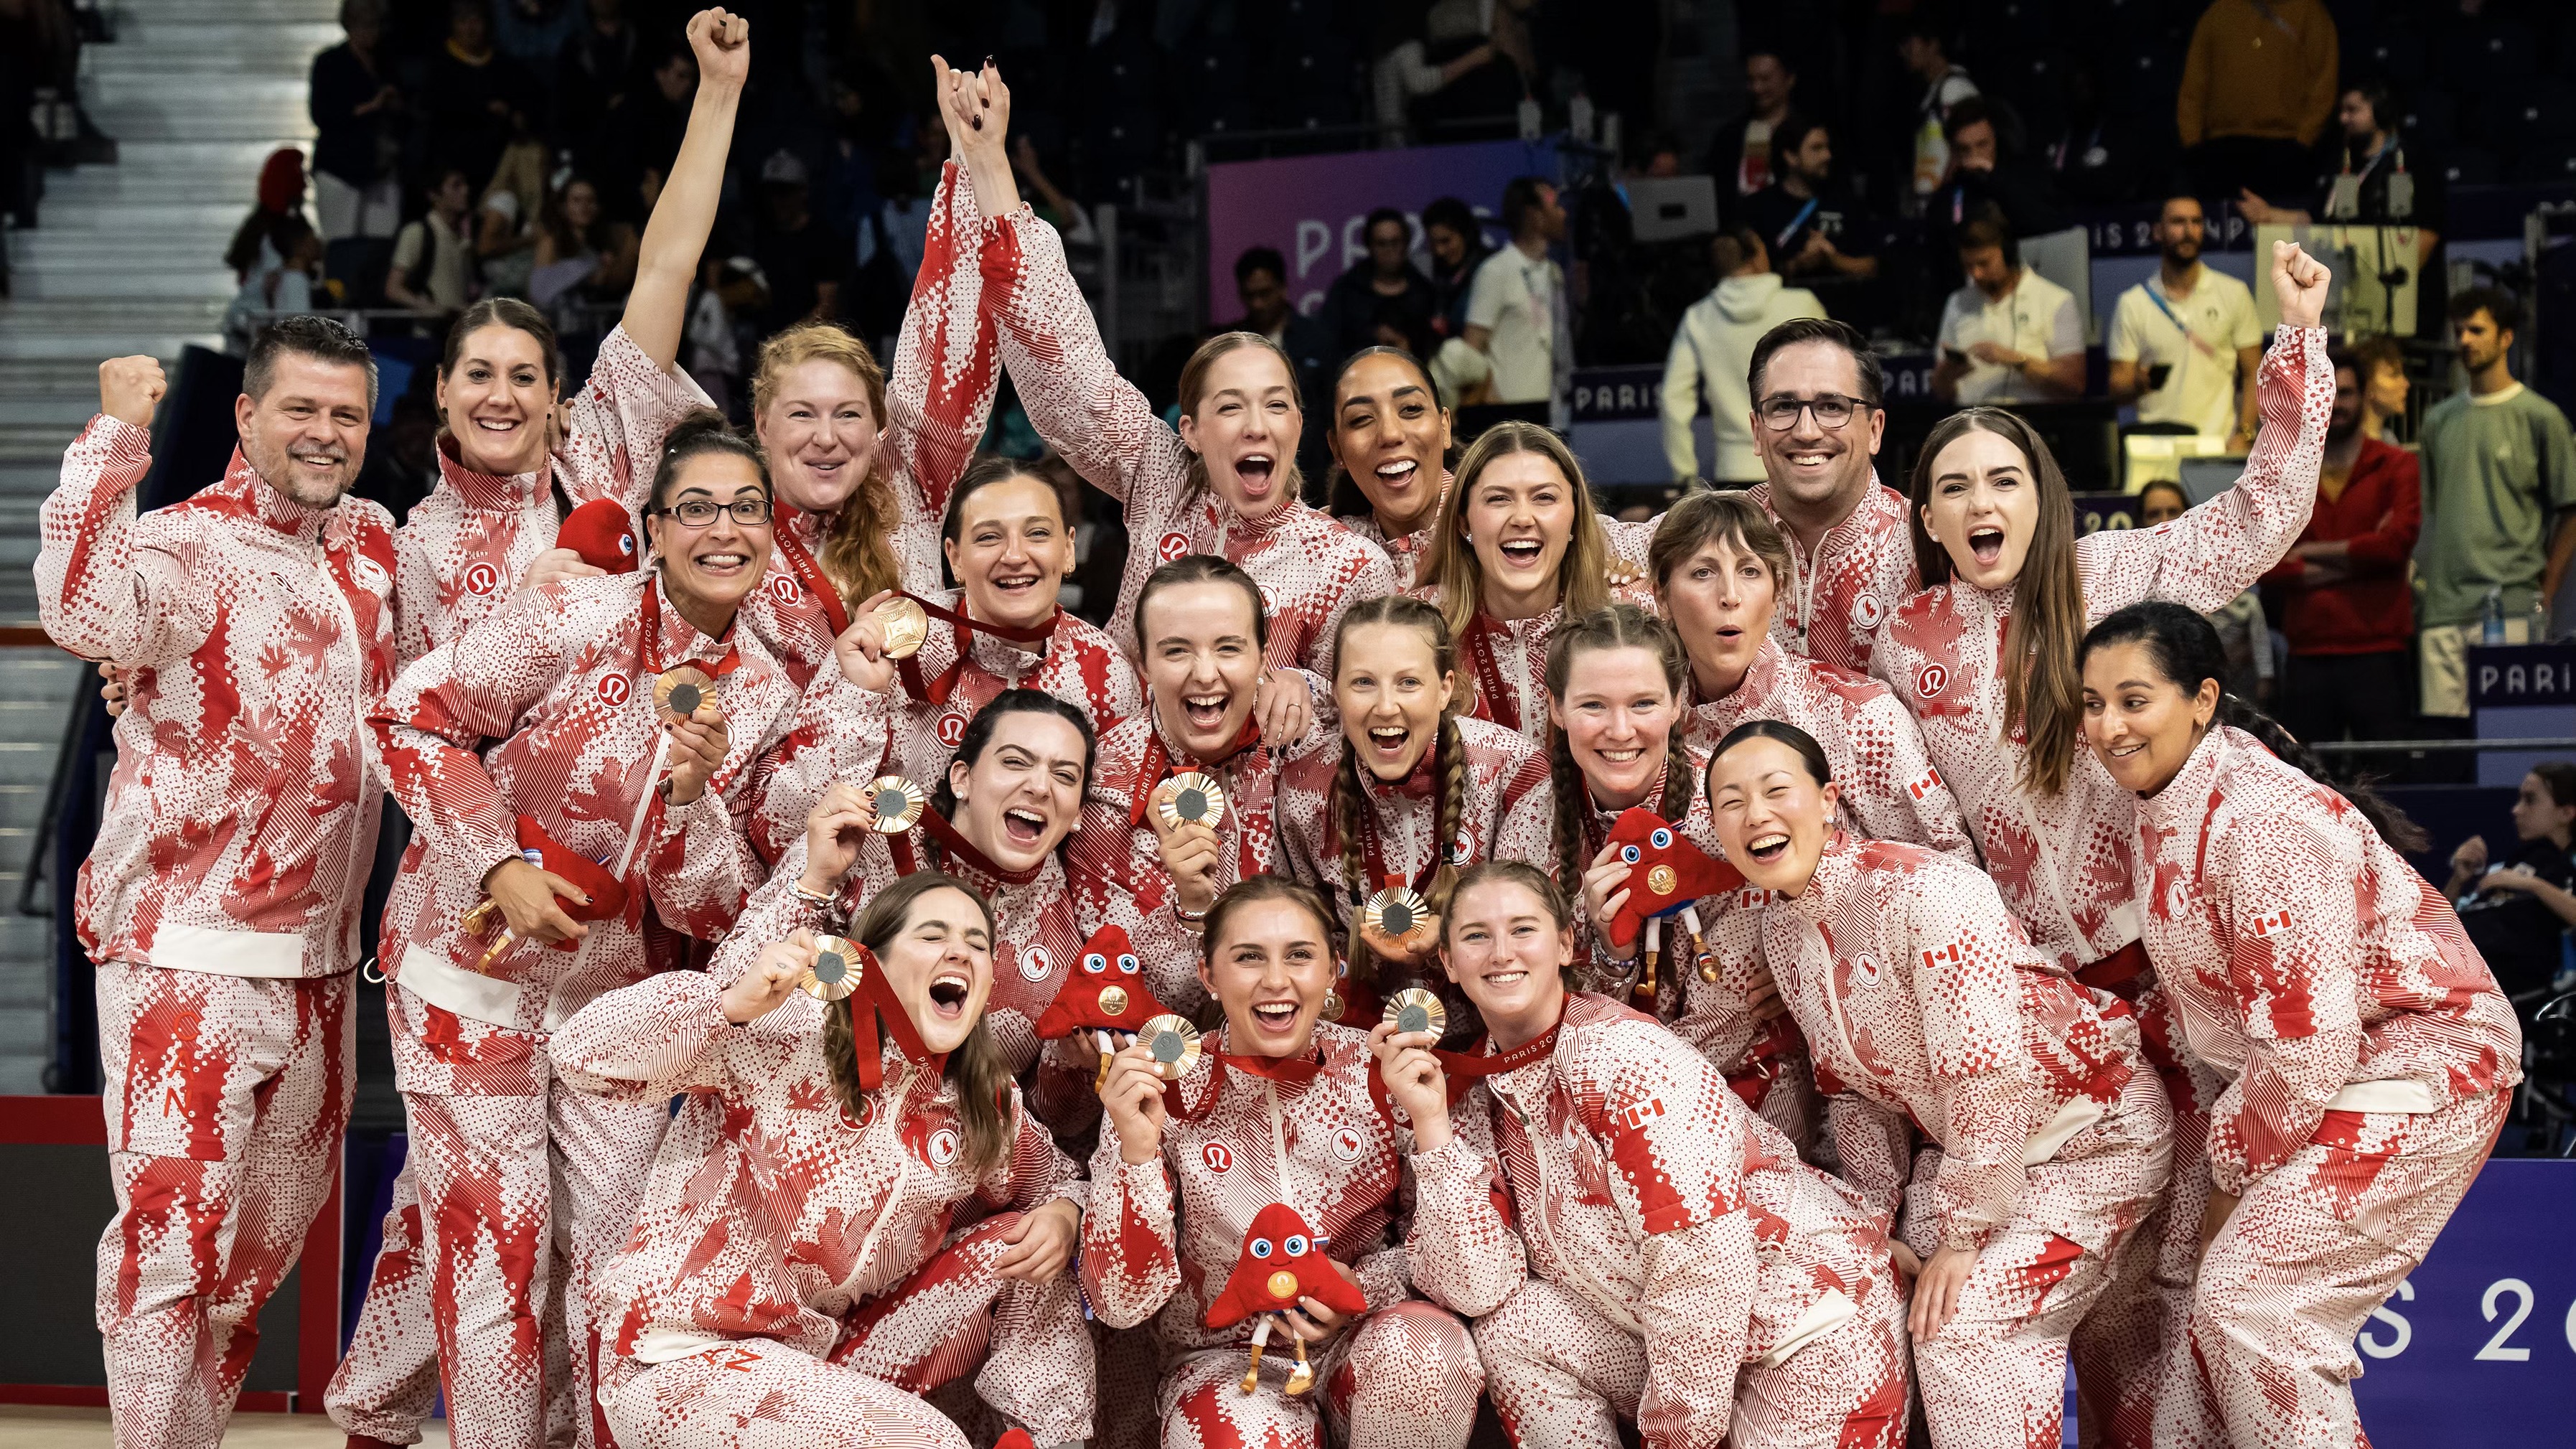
[
  {"x": 1382, "y": 818},
  {"x": 2367, "y": 1054},
  {"x": 853, "y": 1206},
  {"x": 1616, "y": 682},
  {"x": 1517, "y": 551}
]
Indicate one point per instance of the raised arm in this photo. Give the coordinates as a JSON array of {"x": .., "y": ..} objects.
[
  {"x": 2217, "y": 550},
  {"x": 657, "y": 308},
  {"x": 946, "y": 366},
  {"x": 654, "y": 1039},
  {"x": 104, "y": 590}
]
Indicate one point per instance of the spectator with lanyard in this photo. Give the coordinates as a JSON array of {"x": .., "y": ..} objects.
[
  {"x": 2184, "y": 342},
  {"x": 1811, "y": 225}
]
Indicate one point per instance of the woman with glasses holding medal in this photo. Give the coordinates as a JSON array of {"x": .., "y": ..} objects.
[
  {"x": 576, "y": 769},
  {"x": 1245, "y": 1201},
  {"x": 854, "y": 1205},
  {"x": 1382, "y": 818},
  {"x": 1641, "y": 1247}
]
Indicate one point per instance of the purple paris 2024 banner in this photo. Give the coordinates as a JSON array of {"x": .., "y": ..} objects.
[{"x": 1311, "y": 207}]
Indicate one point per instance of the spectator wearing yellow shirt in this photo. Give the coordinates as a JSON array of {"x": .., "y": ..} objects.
[{"x": 2257, "y": 90}]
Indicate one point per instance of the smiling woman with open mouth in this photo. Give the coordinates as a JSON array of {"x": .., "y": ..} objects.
[
  {"x": 1801, "y": 1323},
  {"x": 1518, "y": 550},
  {"x": 1930, "y": 1014},
  {"x": 1271, "y": 1119},
  {"x": 2332, "y": 988},
  {"x": 842, "y": 1152},
  {"x": 1408, "y": 794}
]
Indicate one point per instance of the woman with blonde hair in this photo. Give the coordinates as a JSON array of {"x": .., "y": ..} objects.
[
  {"x": 1517, "y": 550},
  {"x": 1411, "y": 793}
]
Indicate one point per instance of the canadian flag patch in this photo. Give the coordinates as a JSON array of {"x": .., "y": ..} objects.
[
  {"x": 1635, "y": 1115},
  {"x": 1930, "y": 782},
  {"x": 1752, "y": 898},
  {"x": 1948, "y": 954},
  {"x": 2272, "y": 924}
]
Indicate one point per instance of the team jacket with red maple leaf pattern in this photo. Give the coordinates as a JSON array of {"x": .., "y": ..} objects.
[
  {"x": 1143, "y": 1258},
  {"x": 240, "y": 818},
  {"x": 1840, "y": 593},
  {"x": 1641, "y": 1183},
  {"x": 548, "y": 712},
  {"x": 464, "y": 548},
  {"x": 2067, "y": 862},
  {"x": 938, "y": 396},
  {"x": 1117, "y": 856},
  {"x": 1923, "y": 1001},
  {"x": 1310, "y": 568},
  {"x": 772, "y": 1212},
  {"x": 1078, "y": 664},
  {"x": 1506, "y": 660},
  {"x": 1509, "y": 814},
  {"x": 2302, "y": 956}
]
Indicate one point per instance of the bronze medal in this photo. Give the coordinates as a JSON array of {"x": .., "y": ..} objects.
[
  {"x": 1190, "y": 799},
  {"x": 1173, "y": 1043},
  {"x": 1398, "y": 915},
  {"x": 680, "y": 691},
  {"x": 835, "y": 972},
  {"x": 1416, "y": 1009},
  {"x": 898, "y": 802},
  {"x": 902, "y": 627}
]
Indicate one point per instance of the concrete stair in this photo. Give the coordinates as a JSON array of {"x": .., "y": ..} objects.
[{"x": 125, "y": 259}]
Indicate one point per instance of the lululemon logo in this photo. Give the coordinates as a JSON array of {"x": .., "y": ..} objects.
[
  {"x": 782, "y": 587},
  {"x": 952, "y": 729},
  {"x": 1218, "y": 1157},
  {"x": 1174, "y": 545},
  {"x": 614, "y": 689},
  {"x": 481, "y": 579},
  {"x": 1930, "y": 680}
]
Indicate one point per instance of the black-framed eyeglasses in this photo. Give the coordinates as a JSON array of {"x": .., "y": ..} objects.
[
  {"x": 1832, "y": 410},
  {"x": 699, "y": 512}
]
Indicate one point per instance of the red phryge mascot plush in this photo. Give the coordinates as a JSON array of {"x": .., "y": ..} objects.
[
  {"x": 603, "y": 533},
  {"x": 1667, "y": 875},
  {"x": 1107, "y": 993},
  {"x": 607, "y": 893},
  {"x": 1282, "y": 1261}
]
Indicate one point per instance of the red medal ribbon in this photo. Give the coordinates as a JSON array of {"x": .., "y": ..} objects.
[
  {"x": 1460, "y": 1071},
  {"x": 936, "y": 691},
  {"x": 1492, "y": 701},
  {"x": 885, "y": 1005},
  {"x": 964, "y": 852},
  {"x": 652, "y": 641},
  {"x": 809, "y": 572}
]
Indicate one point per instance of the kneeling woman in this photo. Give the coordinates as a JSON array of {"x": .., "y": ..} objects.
[
  {"x": 838, "y": 1221},
  {"x": 1928, "y": 1011},
  {"x": 1286, "y": 1169},
  {"x": 1411, "y": 793},
  {"x": 2332, "y": 987},
  {"x": 1683, "y": 1269}
]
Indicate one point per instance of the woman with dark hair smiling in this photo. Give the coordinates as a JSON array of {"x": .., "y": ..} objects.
[
  {"x": 1257, "y": 1154},
  {"x": 2369, "y": 1057},
  {"x": 1935, "y": 1023},
  {"x": 1390, "y": 442},
  {"x": 612, "y": 728},
  {"x": 854, "y": 1206},
  {"x": 1714, "y": 1288}
]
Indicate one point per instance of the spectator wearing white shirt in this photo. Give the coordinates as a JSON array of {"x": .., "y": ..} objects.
[
  {"x": 2010, "y": 335},
  {"x": 1712, "y": 357},
  {"x": 1519, "y": 346},
  {"x": 2184, "y": 343}
]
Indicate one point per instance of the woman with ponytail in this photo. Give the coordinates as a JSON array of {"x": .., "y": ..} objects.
[
  {"x": 854, "y": 1206},
  {"x": 1411, "y": 793},
  {"x": 616, "y": 729},
  {"x": 1225, "y": 482},
  {"x": 2331, "y": 987},
  {"x": 1935, "y": 1024},
  {"x": 1984, "y": 657},
  {"x": 1712, "y": 1289},
  {"x": 1616, "y": 681},
  {"x": 1264, "y": 1152},
  {"x": 1517, "y": 551}
]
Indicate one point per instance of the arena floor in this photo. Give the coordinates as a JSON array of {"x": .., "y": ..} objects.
[{"x": 32, "y": 1428}]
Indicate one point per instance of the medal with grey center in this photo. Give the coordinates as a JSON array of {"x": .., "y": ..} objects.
[
  {"x": 835, "y": 972},
  {"x": 1416, "y": 1009},
  {"x": 1190, "y": 798},
  {"x": 898, "y": 801},
  {"x": 680, "y": 691},
  {"x": 1172, "y": 1042},
  {"x": 1397, "y": 914}
]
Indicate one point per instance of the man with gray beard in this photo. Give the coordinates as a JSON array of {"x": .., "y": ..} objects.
[{"x": 253, "y": 628}]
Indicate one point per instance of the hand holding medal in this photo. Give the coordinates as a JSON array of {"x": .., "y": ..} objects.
[
  {"x": 1131, "y": 1095},
  {"x": 684, "y": 699},
  {"x": 888, "y": 627},
  {"x": 1411, "y": 1071},
  {"x": 1398, "y": 924},
  {"x": 781, "y": 969}
]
